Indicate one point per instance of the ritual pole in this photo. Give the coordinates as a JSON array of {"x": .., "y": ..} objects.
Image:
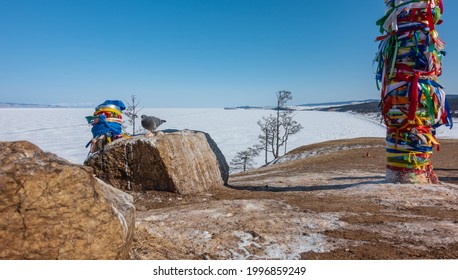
[{"x": 412, "y": 99}]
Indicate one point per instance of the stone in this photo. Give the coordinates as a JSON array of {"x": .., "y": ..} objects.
[
  {"x": 53, "y": 209},
  {"x": 184, "y": 162}
]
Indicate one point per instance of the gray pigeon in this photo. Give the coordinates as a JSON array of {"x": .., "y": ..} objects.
[{"x": 151, "y": 123}]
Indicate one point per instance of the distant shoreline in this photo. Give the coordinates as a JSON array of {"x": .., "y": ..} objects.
[{"x": 25, "y": 105}]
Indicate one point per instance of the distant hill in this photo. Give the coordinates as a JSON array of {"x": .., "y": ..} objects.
[
  {"x": 328, "y": 106},
  {"x": 453, "y": 102},
  {"x": 243, "y": 107},
  {"x": 337, "y": 104},
  {"x": 357, "y": 106},
  {"x": 372, "y": 106},
  {"x": 363, "y": 107},
  {"x": 26, "y": 105}
]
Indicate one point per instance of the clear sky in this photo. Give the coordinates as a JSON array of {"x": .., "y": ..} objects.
[{"x": 196, "y": 53}]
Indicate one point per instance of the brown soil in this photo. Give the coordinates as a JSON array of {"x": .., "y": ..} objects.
[{"x": 336, "y": 205}]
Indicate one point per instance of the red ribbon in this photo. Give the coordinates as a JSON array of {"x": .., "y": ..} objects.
[{"x": 413, "y": 96}]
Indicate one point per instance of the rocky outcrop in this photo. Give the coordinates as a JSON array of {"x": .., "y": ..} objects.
[
  {"x": 184, "y": 162},
  {"x": 52, "y": 209}
]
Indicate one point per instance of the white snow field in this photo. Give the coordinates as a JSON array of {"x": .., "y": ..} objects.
[{"x": 64, "y": 131}]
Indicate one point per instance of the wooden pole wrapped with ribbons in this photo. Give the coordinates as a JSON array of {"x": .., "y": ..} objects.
[{"x": 413, "y": 101}]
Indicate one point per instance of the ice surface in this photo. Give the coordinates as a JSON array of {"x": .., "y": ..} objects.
[{"x": 64, "y": 131}]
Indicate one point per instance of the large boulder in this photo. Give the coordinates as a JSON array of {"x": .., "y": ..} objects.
[
  {"x": 184, "y": 162},
  {"x": 52, "y": 209}
]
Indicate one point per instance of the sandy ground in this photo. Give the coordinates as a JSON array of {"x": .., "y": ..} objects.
[{"x": 333, "y": 204}]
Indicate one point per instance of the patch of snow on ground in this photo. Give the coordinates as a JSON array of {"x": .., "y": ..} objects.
[{"x": 258, "y": 229}]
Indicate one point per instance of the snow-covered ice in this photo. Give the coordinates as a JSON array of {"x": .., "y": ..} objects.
[{"x": 64, "y": 131}]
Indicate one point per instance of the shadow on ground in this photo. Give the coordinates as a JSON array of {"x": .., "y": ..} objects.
[{"x": 304, "y": 188}]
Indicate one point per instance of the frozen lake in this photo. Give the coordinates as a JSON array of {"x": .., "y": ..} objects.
[{"x": 65, "y": 131}]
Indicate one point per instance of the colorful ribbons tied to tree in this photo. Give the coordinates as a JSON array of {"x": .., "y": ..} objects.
[
  {"x": 106, "y": 123},
  {"x": 413, "y": 101}
]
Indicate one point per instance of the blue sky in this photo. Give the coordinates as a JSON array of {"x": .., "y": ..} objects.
[{"x": 196, "y": 53}]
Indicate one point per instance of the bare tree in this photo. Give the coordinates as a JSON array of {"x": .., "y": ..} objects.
[
  {"x": 244, "y": 160},
  {"x": 132, "y": 111},
  {"x": 267, "y": 126},
  {"x": 283, "y": 97},
  {"x": 276, "y": 130},
  {"x": 290, "y": 127}
]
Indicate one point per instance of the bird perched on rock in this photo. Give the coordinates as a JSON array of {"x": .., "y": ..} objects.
[{"x": 151, "y": 123}]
